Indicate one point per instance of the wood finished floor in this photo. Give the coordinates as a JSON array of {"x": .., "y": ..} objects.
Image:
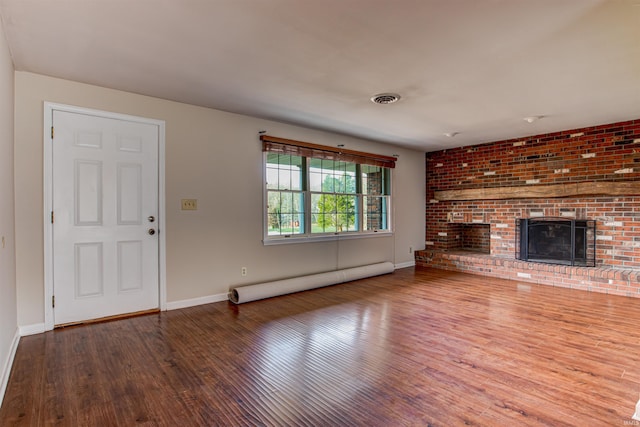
[{"x": 414, "y": 348}]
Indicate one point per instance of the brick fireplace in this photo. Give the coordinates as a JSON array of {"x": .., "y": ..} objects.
[{"x": 476, "y": 193}]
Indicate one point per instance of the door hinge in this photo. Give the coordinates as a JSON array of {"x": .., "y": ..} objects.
[
  {"x": 53, "y": 301},
  {"x": 51, "y": 217},
  {"x": 51, "y": 132}
]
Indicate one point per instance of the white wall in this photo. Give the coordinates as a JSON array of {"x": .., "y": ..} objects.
[
  {"x": 8, "y": 318},
  {"x": 215, "y": 157}
]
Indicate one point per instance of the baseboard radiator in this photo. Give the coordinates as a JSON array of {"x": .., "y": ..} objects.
[{"x": 241, "y": 294}]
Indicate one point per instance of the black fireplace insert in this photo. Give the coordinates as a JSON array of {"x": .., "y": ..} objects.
[{"x": 556, "y": 241}]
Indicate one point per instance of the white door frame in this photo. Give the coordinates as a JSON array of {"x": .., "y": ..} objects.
[{"x": 49, "y": 108}]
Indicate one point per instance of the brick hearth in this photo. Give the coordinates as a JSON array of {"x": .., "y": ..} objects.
[
  {"x": 599, "y": 154},
  {"x": 608, "y": 280}
]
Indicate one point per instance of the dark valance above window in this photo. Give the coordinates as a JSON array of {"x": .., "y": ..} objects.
[{"x": 307, "y": 149}]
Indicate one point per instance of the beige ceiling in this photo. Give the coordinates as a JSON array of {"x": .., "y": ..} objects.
[{"x": 476, "y": 67}]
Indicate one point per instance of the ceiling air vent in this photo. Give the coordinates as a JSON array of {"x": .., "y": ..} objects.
[{"x": 385, "y": 98}]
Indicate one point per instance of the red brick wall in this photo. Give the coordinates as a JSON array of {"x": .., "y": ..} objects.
[{"x": 600, "y": 153}]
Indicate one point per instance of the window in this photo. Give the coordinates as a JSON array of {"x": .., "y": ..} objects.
[
  {"x": 314, "y": 192},
  {"x": 285, "y": 195}
]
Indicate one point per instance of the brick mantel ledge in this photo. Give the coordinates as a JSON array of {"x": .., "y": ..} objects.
[{"x": 608, "y": 280}]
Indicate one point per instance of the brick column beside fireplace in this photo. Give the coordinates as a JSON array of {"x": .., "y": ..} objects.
[{"x": 606, "y": 153}]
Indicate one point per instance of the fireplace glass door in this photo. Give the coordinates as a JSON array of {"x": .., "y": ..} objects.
[{"x": 556, "y": 241}]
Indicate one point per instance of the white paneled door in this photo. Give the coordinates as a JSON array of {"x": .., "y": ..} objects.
[{"x": 105, "y": 216}]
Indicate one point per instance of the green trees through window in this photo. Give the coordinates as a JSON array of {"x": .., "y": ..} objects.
[
  {"x": 335, "y": 212},
  {"x": 313, "y": 196}
]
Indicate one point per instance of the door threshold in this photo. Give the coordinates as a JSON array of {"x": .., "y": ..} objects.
[{"x": 108, "y": 318}]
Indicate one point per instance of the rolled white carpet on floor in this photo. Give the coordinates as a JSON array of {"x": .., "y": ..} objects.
[{"x": 241, "y": 294}]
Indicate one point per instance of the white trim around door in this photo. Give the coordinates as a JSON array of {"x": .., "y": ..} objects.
[{"x": 49, "y": 108}]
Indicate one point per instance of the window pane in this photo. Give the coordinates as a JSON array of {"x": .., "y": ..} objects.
[
  {"x": 346, "y": 179},
  {"x": 374, "y": 180},
  {"x": 322, "y": 218},
  {"x": 347, "y": 218},
  {"x": 332, "y": 213},
  {"x": 284, "y": 172},
  {"x": 285, "y": 212},
  {"x": 375, "y": 213},
  {"x": 331, "y": 176},
  {"x": 315, "y": 174}
]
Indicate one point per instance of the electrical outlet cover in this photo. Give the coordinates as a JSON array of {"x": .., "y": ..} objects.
[{"x": 189, "y": 204}]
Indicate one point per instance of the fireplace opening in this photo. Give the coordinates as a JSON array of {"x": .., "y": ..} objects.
[
  {"x": 468, "y": 237},
  {"x": 475, "y": 238},
  {"x": 556, "y": 241}
]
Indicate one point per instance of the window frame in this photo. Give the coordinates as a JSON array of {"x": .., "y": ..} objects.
[{"x": 360, "y": 208}]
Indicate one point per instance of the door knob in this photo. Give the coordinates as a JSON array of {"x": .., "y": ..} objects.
[
  {"x": 151, "y": 231},
  {"x": 151, "y": 218}
]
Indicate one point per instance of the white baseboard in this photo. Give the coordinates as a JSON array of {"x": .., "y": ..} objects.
[
  {"x": 175, "y": 305},
  {"x": 37, "y": 328},
  {"x": 404, "y": 264},
  {"x": 6, "y": 369}
]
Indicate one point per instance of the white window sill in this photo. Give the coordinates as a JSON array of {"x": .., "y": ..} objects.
[{"x": 323, "y": 238}]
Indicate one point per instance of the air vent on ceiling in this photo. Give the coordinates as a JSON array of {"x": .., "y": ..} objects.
[{"x": 385, "y": 98}]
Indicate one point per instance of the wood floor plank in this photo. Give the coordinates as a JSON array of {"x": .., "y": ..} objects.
[{"x": 419, "y": 347}]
